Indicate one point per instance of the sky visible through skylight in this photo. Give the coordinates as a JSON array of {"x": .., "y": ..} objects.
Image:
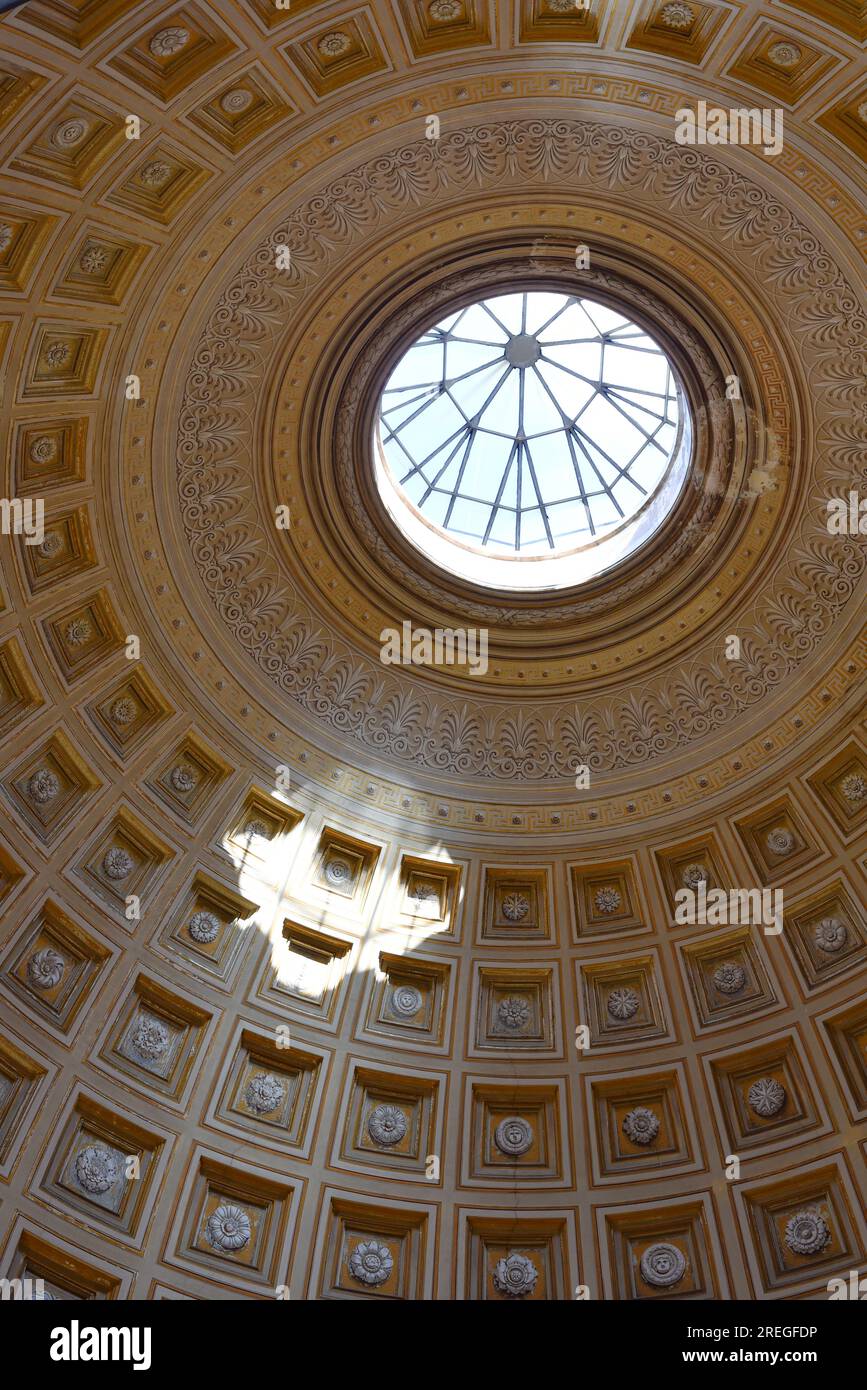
[{"x": 530, "y": 423}]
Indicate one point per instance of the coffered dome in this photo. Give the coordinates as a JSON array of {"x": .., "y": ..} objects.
[{"x": 436, "y": 580}]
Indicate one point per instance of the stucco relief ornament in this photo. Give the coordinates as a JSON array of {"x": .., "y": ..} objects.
[
  {"x": 228, "y": 1228},
  {"x": 623, "y": 1004},
  {"x": 513, "y": 1136},
  {"x": 5, "y": 235},
  {"x": 854, "y": 788},
  {"x": 183, "y": 778},
  {"x": 513, "y": 1012},
  {"x": 730, "y": 977},
  {"x": 256, "y": 830},
  {"x": 123, "y": 711},
  {"x": 830, "y": 934},
  {"x": 338, "y": 873},
  {"x": 203, "y": 927},
  {"x": 515, "y": 1275},
  {"x": 93, "y": 260},
  {"x": 442, "y": 11},
  {"x": 117, "y": 863},
  {"x": 784, "y": 55},
  {"x": 607, "y": 900},
  {"x": 77, "y": 632},
  {"x": 56, "y": 354},
  {"x": 45, "y": 968},
  {"x": 641, "y": 1125},
  {"x": 236, "y": 100},
  {"x": 69, "y": 132},
  {"x": 677, "y": 15},
  {"x": 693, "y": 875},
  {"x": 155, "y": 173},
  {"x": 515, "y": 907},
  {"x": 97, "y": 1168},
  {"x": 371, "y": 1263},
  {"x": 333, "y": 44},
  {"x": 807, "y": 1232},
  {"x": 406, "y": 1001},
  {"x": 662, "y": 1265},
  {"x": 43, "y": 786},
  {"x": 169, "y": 41},
  {"x": 264, "y": 1093},
  {"x": 423, "y": 893},
  {"x": 780, "y": 841},
  {"x": 333, "y": 682},
  {"x": 766, "y": 1096},
  {"x": 51, "y": 545},
  {"x": 386, "y": 1125},
  {"x": 564, "y": 6},
  {"x": 43, "y": 449},
  {"x": 150, "y": 1038}
]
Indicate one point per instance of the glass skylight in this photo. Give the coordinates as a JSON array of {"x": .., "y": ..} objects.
[{"x": 529, "y": 425}]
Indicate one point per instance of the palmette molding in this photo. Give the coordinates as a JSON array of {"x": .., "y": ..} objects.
[{"x": 396, "y": 715}]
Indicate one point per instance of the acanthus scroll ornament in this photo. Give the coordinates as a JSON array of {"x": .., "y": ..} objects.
[{"x": 334, "y": 683}]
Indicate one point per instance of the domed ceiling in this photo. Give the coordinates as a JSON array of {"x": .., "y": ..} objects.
[{"x": 221, "y": 228}]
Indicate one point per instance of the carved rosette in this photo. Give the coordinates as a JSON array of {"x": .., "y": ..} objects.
[
  {"x": 386, "y": 1125},
  {"x": 203, "y": 927},
  {"x": 730, "y": 978},
  {"x": 693, "y": 875},
  {"x": 641, "y": 1125},
  {"x": 513, "y": 1013},
  {"x": 117, "y": 863},
  {"x": 43, "y": 786},
  {"x": 264, "y": 1093},
  {"x": 406, "y": 1001},
  {"x": 515, "y": 1275},
  {"x": 623, "y": 1004},
  {"x": 338, "y": 872},
  {"x": 45, "y": 968},
  {"x": 830, "y": 935},
  {"x": 97, "y": 1168},
  {"x": 663, "y": 1265},
  {"x": 767, "y": 1096},
  {"x": 150, "y": 1038},
  {"x": 371, "y": 1263},
  {"x": 807, "y": 1232},
  {"x": 513, "y": 1136},
  {"x": 515, "y": 907},
  {"x": 228, "y": 1228},
  {"x": 607, "y": 900},
  {"x": 780, "y": 841}
]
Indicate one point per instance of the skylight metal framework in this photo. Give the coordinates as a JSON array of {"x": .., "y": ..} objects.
[{"x": 530, "y": 423}]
